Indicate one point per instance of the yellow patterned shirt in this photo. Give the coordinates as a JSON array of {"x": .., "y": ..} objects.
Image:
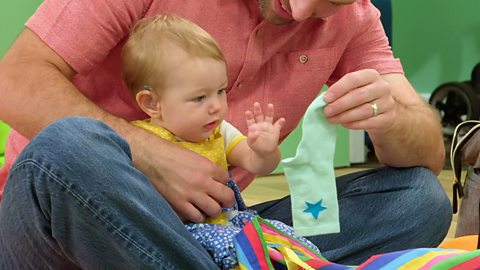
[{"x": 216, "y": 148}]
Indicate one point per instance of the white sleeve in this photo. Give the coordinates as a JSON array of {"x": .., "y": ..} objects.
[{"x": 231, "y": 136}]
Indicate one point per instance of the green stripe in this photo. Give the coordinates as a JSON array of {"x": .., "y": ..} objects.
[{"x": 456, "y": 260}]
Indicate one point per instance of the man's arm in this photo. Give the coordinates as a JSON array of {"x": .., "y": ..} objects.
[
  {"x": 36, "y": 90},
  {"x": 415, "y": 138},
  {"x": 405, "y": 132}
]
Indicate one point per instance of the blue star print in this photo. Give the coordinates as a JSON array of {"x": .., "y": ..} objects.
[{"x": 314, "y": 208}]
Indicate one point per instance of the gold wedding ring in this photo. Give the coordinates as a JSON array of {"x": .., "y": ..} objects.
[{"x": 374, "y": 108}]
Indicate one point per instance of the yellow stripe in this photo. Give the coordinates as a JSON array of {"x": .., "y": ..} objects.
[
  {"x": 423, "y": 260},
  {"x": 271, "y": 239},
  {"x": 292, "y": 260},
  {"x": 234, "y": 143}
]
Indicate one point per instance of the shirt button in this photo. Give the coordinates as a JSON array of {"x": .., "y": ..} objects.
[{"x": 303, "y": 59}]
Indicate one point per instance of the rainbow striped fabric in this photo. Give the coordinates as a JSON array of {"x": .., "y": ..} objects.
[
  {"x": 424, "y": 258},
  {"x": 261, "y": 246}
]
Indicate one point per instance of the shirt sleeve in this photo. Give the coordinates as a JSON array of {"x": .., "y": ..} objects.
[
  {"x": 231, "y": 136},
  {"x": 369, "y": 46},
  {"x": 84, "y": 32}
]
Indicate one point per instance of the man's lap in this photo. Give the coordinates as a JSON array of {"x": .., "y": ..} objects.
[{"x": 381, "y": 210}]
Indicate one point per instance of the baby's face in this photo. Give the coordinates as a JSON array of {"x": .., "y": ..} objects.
[{"x": 193, "y": 101}]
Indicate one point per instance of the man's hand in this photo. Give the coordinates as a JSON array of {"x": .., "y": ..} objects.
[
  {"x": 405, "y": 131},
  {"x": 194, "y": 186},
  {"x": 351, "y": 100}
]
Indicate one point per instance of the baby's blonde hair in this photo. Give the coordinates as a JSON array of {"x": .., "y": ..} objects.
[{"x": 148, "y": 45}]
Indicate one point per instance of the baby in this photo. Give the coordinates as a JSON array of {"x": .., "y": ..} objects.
[{"x": 178, "y": 75}]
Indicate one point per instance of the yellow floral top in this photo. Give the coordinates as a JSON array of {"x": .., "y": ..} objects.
[{"x": 216, "y": 148}]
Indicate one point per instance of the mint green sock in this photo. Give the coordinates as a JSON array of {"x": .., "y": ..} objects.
[{"x": 311, "y": 176}]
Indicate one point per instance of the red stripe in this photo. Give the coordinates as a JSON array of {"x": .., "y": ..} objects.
[
  {"x": 471, "y": 264},
  {"x": 256, "y": 244},
  {"x": 317, "y": 263},
  {"x": 366, "y": 263}
]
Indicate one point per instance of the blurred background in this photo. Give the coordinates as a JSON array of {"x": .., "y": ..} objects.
[{"x": 437, "y": 41}]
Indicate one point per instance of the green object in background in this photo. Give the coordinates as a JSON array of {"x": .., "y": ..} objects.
[
  {"x": 437, "y": 41},
  {"x": 418, "y": 40},
  {"x": 13, "y": 15},
  {"x": 4, "y": 130}
]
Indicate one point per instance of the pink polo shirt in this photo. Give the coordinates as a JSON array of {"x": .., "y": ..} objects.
[{"x": 285, "y": 65}]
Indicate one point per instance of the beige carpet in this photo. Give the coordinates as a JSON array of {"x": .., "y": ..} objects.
[{"x": 275, "y": 186}]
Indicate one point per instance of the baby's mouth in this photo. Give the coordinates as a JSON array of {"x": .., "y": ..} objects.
[{"x": 211, "y": 125}]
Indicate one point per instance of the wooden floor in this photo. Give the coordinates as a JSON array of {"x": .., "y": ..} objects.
[{"x": 275, "y": 186}]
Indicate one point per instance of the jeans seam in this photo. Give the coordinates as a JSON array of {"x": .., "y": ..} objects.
[{"x": 84, "y": 202}]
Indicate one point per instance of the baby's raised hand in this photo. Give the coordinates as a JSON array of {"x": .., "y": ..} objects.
[{"x": 263, "y": 134}]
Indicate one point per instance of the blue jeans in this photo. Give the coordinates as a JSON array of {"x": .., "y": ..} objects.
[{"x": 74, "y": 200}]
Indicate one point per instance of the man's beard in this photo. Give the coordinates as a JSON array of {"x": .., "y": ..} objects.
[
  {"x": 262, "y": 4},
  {"x": 267, "y": 12}
]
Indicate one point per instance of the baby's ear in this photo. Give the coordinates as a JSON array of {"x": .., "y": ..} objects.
[{"x": 149, "y": 103}]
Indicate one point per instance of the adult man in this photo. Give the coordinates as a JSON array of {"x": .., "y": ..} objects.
[{"x": 281, "y": 53}]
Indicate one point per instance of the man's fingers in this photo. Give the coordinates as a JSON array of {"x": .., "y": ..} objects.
[
  {"x": 208, "y": 205},
  {"x": 348, "y": 82},
  {"x": 220, "y": 175},
  {"x": 369, "y": 123},
  {"x": 218, "y": 189},
  {"x": 222, "y": 194},
  {"x": 189, "y": 212}
]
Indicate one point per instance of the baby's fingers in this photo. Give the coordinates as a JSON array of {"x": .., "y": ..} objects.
[
  {"x": 249, "y": 118},
  {"x": 279, "y": 124},
  {"x": 269, "y": 113},
  {"x": 257, "y": 111},
  {"x": 253, "y": 134}
]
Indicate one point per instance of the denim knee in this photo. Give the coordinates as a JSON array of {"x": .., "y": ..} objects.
[
  {"x": 434, "y": 209},
  {"x": 74, "y": 139}
]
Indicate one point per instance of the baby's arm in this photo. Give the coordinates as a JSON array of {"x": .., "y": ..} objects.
[{"x": 259, "y": 153}]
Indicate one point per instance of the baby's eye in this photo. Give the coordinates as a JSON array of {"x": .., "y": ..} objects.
[
  {"x": 222, "y": 91},
  {"x": 199, "y": 98}
]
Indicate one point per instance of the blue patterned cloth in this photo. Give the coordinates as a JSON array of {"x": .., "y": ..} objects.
[{"x": 218, "y": 239}]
